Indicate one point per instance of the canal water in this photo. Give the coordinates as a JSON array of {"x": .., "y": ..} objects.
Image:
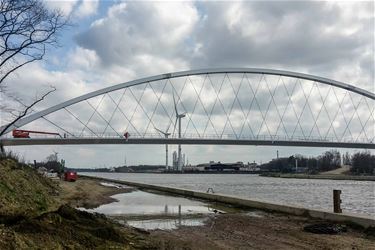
[{"x": 357, "y": 196}]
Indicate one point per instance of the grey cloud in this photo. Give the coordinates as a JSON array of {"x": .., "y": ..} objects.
[
  {"x": 292, "y": 36},
  {"x": 304, "y": 43},
  {"x": 136, "y": 32},
  {"x": 299, "y": 36}
]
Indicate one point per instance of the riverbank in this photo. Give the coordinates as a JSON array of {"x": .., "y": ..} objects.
[
  {"x": 69, "y": 228},
  {"x": 89, "y": 193},
  {"x": 255, "y": 229},
  {"x": 34, "y": 214},
  {"x": 265, "y": 231},
  {"x": 321, "y": 176},
  {"x": 361, "y": 220}
]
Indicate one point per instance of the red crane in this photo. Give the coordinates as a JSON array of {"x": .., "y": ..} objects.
[{"x": 17, "y": 133}]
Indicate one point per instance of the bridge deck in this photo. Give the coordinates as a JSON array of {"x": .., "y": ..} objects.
[{"x": 184, "y": 141}]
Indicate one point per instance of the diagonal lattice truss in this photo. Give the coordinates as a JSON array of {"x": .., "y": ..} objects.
[{"x": 221, "y": 106}]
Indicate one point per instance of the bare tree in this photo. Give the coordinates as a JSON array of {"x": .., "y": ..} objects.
[
  {"x": 26, "y": 28},
  {"x": 52, "y": 157}
]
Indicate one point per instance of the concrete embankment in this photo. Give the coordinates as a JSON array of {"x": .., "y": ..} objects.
[
  {"x": 362, "y": 220},
  {"x": 326, "y": 176}
]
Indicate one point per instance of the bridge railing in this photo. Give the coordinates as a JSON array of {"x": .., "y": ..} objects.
[{"x": 194, "y": 136}]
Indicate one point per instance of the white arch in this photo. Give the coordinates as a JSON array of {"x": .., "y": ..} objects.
[{"x": 70, "y": 102}]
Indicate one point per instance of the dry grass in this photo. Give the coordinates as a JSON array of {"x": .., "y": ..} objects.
[{"x": 23, "y": 192}]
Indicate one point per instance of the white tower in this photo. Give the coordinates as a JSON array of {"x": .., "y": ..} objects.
[{"x": 175, "y": 160}]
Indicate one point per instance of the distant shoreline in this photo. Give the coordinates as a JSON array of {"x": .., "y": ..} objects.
[
  {"x": 262, "y": 174},
  {"x": 177, "y": 172},
  {"x": 325, "y": 177}
]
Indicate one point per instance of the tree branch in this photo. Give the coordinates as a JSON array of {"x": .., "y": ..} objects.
[
  {"x": 26, "y": 27},
  {"x": 26, "y": 110}
]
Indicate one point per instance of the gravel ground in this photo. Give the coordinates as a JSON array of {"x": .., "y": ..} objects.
[{"x": 241, "y": 231}]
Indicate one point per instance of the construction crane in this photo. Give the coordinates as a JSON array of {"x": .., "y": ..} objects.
[{"x": 18, "y": 133}]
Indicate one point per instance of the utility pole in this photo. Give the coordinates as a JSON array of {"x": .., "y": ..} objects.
[
  {"x": 179, "y": 145},
  {"x": 179, "y": 163},
  {"x": 296, "y": 165},
  {"x": 166, "y": 157}
]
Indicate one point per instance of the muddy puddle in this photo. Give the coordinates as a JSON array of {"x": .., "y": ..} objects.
[
  {"x": 154, "y": 210},
  {"x": 143, "y": 203},
  {"x": 151, "y": 211},
  {"x": 164, "y": 224}
]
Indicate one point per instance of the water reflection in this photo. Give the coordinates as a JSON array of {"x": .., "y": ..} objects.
[
  {"x": 164, "y": 224},
  {"x": 155, "y": 211},
  {"x": 142, "y": 203}
]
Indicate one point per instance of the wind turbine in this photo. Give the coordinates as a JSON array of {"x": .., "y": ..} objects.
[
  {"x": 166, "y": 134},
  {"x": 178, "y": 117}
]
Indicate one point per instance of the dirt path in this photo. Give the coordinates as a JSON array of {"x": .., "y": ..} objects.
[{"x": 342, "y": 170}]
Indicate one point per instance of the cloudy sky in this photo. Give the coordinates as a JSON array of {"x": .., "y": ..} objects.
[{"x": 111, "y": 42}]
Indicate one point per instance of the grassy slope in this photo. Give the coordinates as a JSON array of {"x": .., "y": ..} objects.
[
  {"x": 30, "y": 217},
  {"x": 69, "y": 228},
  {"x": 23, "y": 192}
]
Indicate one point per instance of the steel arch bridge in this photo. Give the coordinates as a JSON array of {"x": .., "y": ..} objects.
[{"x": 230, "y": 106}]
